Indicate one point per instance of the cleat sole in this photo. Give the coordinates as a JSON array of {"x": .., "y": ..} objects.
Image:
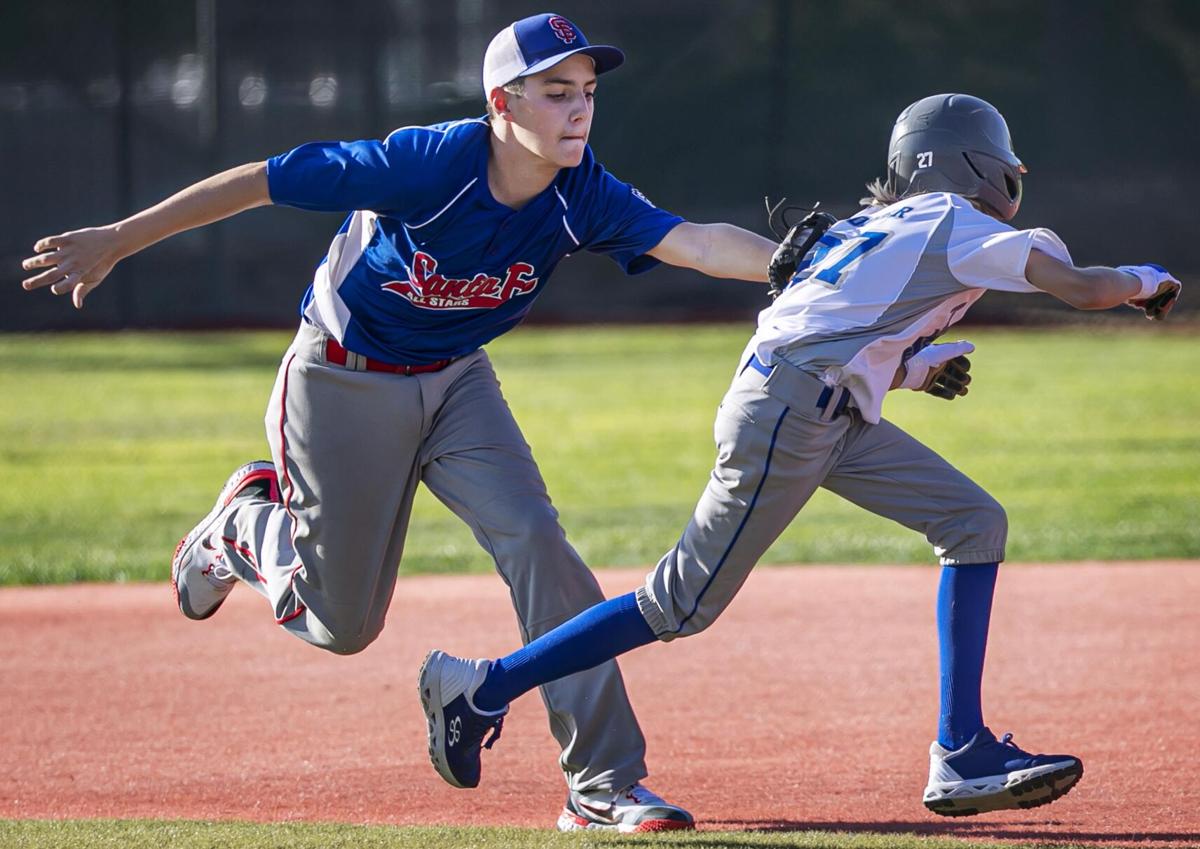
[{"x": 1032, "y": 793}]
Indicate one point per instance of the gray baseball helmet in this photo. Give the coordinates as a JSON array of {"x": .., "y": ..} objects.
[{"x": 955, "y": 143}]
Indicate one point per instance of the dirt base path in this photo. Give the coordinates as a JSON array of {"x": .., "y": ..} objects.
[{"x": 809, "y": 705}]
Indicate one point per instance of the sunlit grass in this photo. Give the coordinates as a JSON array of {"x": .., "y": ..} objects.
[{"x": 112, "y": 445}]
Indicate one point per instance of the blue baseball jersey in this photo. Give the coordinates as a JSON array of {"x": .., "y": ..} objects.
[{"x": 428, "y": 265}]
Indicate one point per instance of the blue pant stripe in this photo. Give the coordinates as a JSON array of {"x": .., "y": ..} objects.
[{"x": 746, "y": 518}]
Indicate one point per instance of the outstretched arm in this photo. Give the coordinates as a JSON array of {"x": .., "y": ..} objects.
[
  {"x": 718, "y": 250},
  {"x": 1096, "y": 288},
  {"x": 78, "y": 261},
  {"x": 1150, "y": 288}
]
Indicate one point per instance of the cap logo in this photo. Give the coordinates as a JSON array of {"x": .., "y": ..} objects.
[{"x": 562, "y": 28}]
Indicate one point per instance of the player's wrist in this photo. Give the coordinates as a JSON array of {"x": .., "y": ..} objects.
[
  {"x": 138, "y": 232},
  {"x": 126, "y": 237},
  {"x": 915, "y": 374},
  {"x": 1149, "y": 277}
]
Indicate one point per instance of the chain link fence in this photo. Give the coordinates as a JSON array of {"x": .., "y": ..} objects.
[{"x": 106, "y": 108}]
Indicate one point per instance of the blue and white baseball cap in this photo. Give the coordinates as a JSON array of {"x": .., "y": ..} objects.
[{"x": 536, "y": 43}]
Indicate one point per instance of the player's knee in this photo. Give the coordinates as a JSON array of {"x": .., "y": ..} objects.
[
  {"x": 670, "y": 616},
  {"x": 991, "y": 522},
  {"x": 349, "y": 643},
  {"x": 672, "y": 625},
  {"x": 695, "y": 624},
  {"x": 344, "y": 638},
  {"x": 977, "y": 533}
]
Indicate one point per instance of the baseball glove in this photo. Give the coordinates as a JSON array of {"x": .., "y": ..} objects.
[{"x": 793, "y": 246}]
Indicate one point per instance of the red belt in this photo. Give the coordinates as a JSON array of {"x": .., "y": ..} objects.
[{"x": 338, "y": 355}]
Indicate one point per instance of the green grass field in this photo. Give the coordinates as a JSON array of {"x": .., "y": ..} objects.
[
  {"x": 141, "y": 834},
  {"x": 112, "y": 445}
]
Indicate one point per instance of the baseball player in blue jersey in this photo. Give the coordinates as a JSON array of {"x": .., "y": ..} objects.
[
  {"x": 855, "y": 319},
  {"x": 453, "y": 231}
]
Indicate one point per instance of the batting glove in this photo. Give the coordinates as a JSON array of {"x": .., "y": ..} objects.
[
  {"x": 1159, "y": 290},
  {"x": 941, "y": 370}
]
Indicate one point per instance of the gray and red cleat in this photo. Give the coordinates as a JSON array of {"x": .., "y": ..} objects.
[
  {"x": 631, "y": 810},
  {"x": 200, "y": 575},
  {"x": 990, "y": 775}
]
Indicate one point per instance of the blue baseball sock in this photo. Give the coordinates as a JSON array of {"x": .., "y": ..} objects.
[
  {"x": 598, "y": 634},
  {"x": 964, "y": 608}
]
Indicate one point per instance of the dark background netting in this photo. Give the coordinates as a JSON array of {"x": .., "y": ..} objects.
[{"x": 106, "y": 107}]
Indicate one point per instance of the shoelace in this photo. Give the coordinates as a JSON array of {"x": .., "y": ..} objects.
[
  {"x": 1007, "y": 740},
  {"x": 495, "y": 735}
]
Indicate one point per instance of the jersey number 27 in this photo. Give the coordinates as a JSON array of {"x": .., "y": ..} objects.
[{"x": 834, "y": 254}]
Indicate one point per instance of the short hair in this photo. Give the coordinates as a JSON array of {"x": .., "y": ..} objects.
[{"x": 515, "y": 87}]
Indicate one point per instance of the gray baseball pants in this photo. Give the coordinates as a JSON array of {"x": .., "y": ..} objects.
[
  {"x": 775, "y": 446},
  {"x": 350, "y": 448}
]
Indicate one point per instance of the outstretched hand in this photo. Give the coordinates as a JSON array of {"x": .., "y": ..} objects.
[
  {"x": 75, "y": 262},
  {"x": 1160, "y": 289},
  {"x": 1158, "y": 306}
]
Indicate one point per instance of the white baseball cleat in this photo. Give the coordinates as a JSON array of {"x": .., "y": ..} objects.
[
  {"x": 988, "y": 774},
  {"x": 631, "y": 810},
  {"x": 200, "y": 575}
]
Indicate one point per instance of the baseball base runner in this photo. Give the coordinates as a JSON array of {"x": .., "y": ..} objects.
[{"x": 857, "y": 316}]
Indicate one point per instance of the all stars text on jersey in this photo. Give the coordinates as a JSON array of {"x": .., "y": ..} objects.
[{"x": 427, "y": 289}]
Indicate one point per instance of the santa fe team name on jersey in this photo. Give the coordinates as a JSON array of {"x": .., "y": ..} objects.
[
  {"x": 427, "y": 289},
  {"x": 419, "y": 271}
]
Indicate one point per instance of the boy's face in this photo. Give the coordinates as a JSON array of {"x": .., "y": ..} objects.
[{"x": 554, "y": 117}]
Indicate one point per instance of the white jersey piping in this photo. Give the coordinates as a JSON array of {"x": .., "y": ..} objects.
[
  {"x": 461, "y": 192},
  {"x": 566, "y": 208},
  {"x": 443, "y": 131}
]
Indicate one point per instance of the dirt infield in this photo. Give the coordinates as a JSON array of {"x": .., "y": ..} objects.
[{"x": 810, "y": 704}]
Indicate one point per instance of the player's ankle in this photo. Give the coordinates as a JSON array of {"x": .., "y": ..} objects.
[
  {"x": 953, "y": 736},
  {"x": 489, "y": 697}
]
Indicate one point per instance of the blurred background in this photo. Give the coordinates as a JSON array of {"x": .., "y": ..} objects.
[{"x": 107, "y": 106}]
